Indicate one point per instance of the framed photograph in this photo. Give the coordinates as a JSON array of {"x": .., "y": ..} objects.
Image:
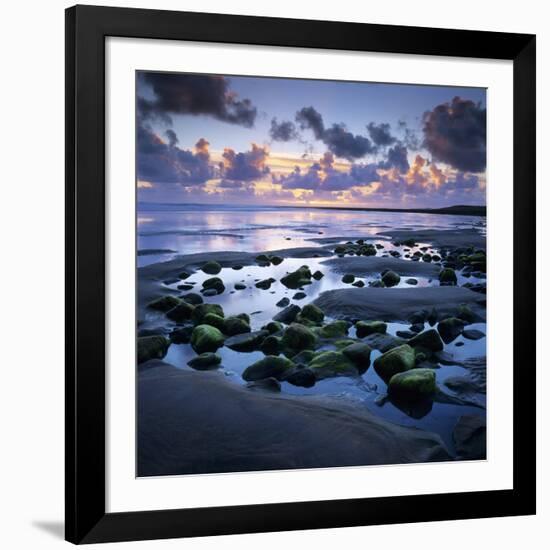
[{"x": 300, "y": 274}]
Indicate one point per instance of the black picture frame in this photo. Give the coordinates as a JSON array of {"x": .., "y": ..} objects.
[{"x": 86, "y": 30}]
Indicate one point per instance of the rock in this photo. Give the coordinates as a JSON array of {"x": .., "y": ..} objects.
[
  {"x": 473, "y": 334},
  {"x": 427, "y": 258},
  {"x": 184, "y": 275},
  {"x": 185, "y": 287},
  {"x": 271, "y": 345},
  {"x": 287, "y": 315},
  {"x": 193, "y": 298},
  {"x": 312, "y": 313},
  {"x": 298, "y": 337},
  {"x": 344, "y": 343},
  {"x": 470, "y": 437},
  {"x": 459, "y": 344},
  {"x": 417, "y": 327},
  {"x": 180, "y": 313},
  {"x": 450, "y": 328},
  {"x": 359, "y": 353},
  {"x": 377, "y": 284},
  {"x": 265, "y": 284},
  {"x": 202, "y": 310},
  {"x": 262, "y": 259},
  {"x": 466, "y": 314},
  {"x": 214, "y": 283},
  {"x": 399, "y": 359},
  {"x": 411, "y": 281},
  {"x": 447, "y": 276},
  {"x": 205, "y": 361},
  {"x": 406, "y": 334},
  {"x": 318, "y": 275},
  {"x": 164, "y": 303},
  {"x": 332, "y": 363},
  {"x": 427, "y": 340},
  {"x": 234, "y": 325},
  {"x": 358, "y": 284},
  {"x": 276, "y": 260},
  {"x": 432, "y": 317},
  {"x": 283, "y": 302},
  {"x": 304, "y": 357},
  {"x": 304, "y": 378},
  {"x": 383, "y": 342},
  {"x": 181, "y": 335},
  {"x": 237, "y": 267},
  {"x": 336, "y": 329},
  {"x": 390, "y": 278},
  {"x": 269, "y": 366},
  {"x": 246, "y": 342},
  {"x": 240, "y": 286},
  {"x": 364, "y": 328},
  {"x": 151, "y": 347},
  {"x": 298, "y": 278},
  {"x": 299, "y": 296},
  {"x": 212, "y": 267},
  {"x": 206, "y": 338},
  {"x": 209, "y": 292},
  {"x": 348, "y": 278},
  {"x": 244, "y": 316},
  {"x": 266, "y": 384},
  {"x": 412, "y": 385},
  {"x": 213, "y": 320}
]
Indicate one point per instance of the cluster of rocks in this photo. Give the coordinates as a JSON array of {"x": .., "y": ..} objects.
[{"x": 357, "y": 248}]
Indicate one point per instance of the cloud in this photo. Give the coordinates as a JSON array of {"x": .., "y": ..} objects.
[
  {"x": 380, "y": 134},
  {"x": 172, "y": 137},
  {"x": 245, "y": 166},
  {"x": 159, "y": 162},
  {"x": 283, "y": 131},
  {"x": 455, "y": 133},
  {"x": 409, "y": 137},
  {"x": 193, "y": 94},
  {"x": 396, "y": 158},
  {"x": 337, "y": 138}
]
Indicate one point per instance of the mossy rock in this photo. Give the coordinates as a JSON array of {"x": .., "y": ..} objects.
[
  {"x": 288, "y": 315},
  {"x": 273, "y": 327},
  {"x": 298, "y": 337},
  {"x": 192, "y": 298},
  {"x": 343, "y": 343},
  {"x": 391, "y": 278},
  {"x": 206, "y": 338},
  {"x": 265, "y": 284},
  {"x": 318, "y": 275},
  {"x": 366, "y": 328},
  {"x": 304, "y": 357},
  {"x": 359, "y": 353},
  {"x": 450, "y": 328},
  {"x": 200, "y": 312},
  {"x": 304, "y": 378},
  {"x": 358, "y": 283},
  {"x": 212, "y": 267},
  {"x": 332, "y": 363},
  {"x": 180, "y": 313},
  {"x": 184, "y": 275},
  {"x": 348, "y": 278},
  {"x": 336, "y": 329},
  {"x": 214, "y": 283},
  {"x": 447, "y": 276},
  {"x": 234, "y": 325},
  {"x": 164, "y": 303},
  {"x": 427, "y": 258},
  {"x": 427, "y": 340},
  {"x": 399, "y": 359},
  {"x": 466, "y": 314},
  {"x": 244, "y": 316},
  {"x": 283, "y": 302},
  {"x": 213, "y": 320},
  {"x": 205, "y": 361},
  {"x": 270, "y": 366},
  {"x": 151, "y": 347},
  {"x": 262, "y": 259},
  {"x": 413, "y": 385},
  {"x": 298, "y": 278},
  {"x": 271, "y": 345},
  {"x": 312, "y": 313},
  {"x": 181, "y": 335},
  {"x": 247, "y": 342},
  {"x": 276, "y": 260}
]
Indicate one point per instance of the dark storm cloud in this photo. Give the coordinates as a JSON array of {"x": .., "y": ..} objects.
[
  {"x": 283, "y": 131},
  {"x": 455, "y": 133},
  {"x": 194, "y": 95},
  {"x": 310, "y": 119},
  {"x": 380, "y": 134},
  {"x": 410, "y": 138},
  {"x": 396, "y": 158},
  {"x": 172, "y": 137},
  {"x": 245, "y": 166},
  {"x": 159, "y": 162}
]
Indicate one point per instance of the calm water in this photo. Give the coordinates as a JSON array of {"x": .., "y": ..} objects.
[{"x": 190, "y": 229}]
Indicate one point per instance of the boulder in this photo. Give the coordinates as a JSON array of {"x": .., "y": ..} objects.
[
  {"x": 399, "y": 359},
  {"x": 213, "y": 320},
  {"x": 164, "y": 303},
  {"x": 181, "y": 335},
  {"x": 391, "y": 278},
  {"x": 214, "y": 283},
  {"x": 184, "y": 275},
  {"x": 359, "y": 353},
  {"x": 312, "y": 313},
  {"x": 427, "y": 340},
  {"x": 206, "y": 338},
  {"x": 287, "y": 315},
  {"x": 212, "y": 267},
  {"x": 412, "y": 385},
  {"x": 318, "y": 275},
  {"x": 265, "y": 284},
  {"x": 450, "y": 328},
  {"x": 273, "y": 327},
  {"x": 180, "y": 313},
  {"x": 202, "y": 310},
  {"x": 192, "y": 298},
  {"x": 205, "y": 361},
  {"x": 383, "y": 342},
  {"x": 151, "y": 347},
  {"x": 234, "y": 325},
  {"x": 283, "y": 302},
  {"x": 348, "y": 278},
  {"x": 411, "y": 281},
  {"x": 298, "y": 278},
  {"x": 365, "y": 328},
  {"x": 304, "y": 357},
  {"x": 276, "y": 260},
  {"x": 209, "y": 292},
  {"x": 298, "y": 337},
  {"x": 299, "y": 295},
  {"x": 447, "y": 276},
  {"x": 328, "y": 364},
  {"x": 271, "y": 345},
  {"x": 249, "y": 341},
  {"x": 406, "y": 334},
  {"x": 336, "y": 329},
  {"x": 240, "y": 286},
  {"x": 262, "y": 259},
  {"x": 270, "y": 366},
  {"x": 304, "y": 378}
]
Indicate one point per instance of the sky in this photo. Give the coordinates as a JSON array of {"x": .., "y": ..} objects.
[{"x": 267, "y": 141}]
